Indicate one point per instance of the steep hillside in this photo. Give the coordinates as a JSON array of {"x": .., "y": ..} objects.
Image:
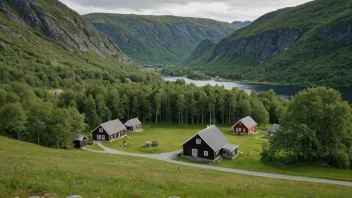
[
  {"x": 241, "y": 24},
  {"x": 203, "y": 47},
  {"x": 158, "y": 39},
  {"x": 307, "y": 44},
  {"x": 38, "y": 37}
]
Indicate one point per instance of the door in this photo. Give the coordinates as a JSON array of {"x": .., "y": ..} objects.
[
  {"x": 195, "y": 152},
  {"x": 103, "y": 137}
]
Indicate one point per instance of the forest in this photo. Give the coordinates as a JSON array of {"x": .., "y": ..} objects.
[{"x": 93, "y": 94}]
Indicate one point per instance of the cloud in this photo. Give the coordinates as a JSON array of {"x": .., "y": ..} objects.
[{"x": 222, "y": 10}]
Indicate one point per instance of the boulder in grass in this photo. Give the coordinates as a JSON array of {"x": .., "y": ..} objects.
[
  {"x": 147, "y": 144},
  {"x": 74, "y": 196},
  {"x": 155, "y": 143}
]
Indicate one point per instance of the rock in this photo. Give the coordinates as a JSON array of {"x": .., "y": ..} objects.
[
  {"x": 74, "y": 196},
  {"x": 340, "y": 32},
  {"x": 174, "y": 197},
  {"x": 262, "y": 46},
  {"x": 34, "y": 197},
  {"x": 147, "y": 144},
  {"x": 70, "y": 28}
]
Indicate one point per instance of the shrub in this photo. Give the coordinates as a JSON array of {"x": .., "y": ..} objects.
[{"x": 155, "y": 143}]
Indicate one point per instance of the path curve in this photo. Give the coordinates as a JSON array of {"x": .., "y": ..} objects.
[
  {"x": 260, "y": 138},
  {"x": 168, "y": 157}
]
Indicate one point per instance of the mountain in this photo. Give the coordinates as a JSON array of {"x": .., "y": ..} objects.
[
  {"x": 203, "y": 47},
  {"x": 41, "y": 39},
  {"x": 159, "y": 39},
  {"x": 308, "y": 44},
  {"x": 241, "y": 24}
]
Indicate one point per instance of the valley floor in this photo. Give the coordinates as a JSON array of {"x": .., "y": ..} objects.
[
  {"x": 27, "y": 169},
  {"x": 170, "y": 138}
]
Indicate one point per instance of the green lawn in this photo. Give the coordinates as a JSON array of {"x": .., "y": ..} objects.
[
  {"x": 27, "y": 170},
  {"x": 95, "y": 147},
  {"x": 171, "y": 137}
]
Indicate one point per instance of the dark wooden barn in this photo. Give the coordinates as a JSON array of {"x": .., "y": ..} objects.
[
  {"x": 133, "y": 124},
  {"x": 209, "y": 144},
  {"x": 79, "y": 141},
  {"x": 109, "y": 131},
  {"x": 244, "y": 126}
]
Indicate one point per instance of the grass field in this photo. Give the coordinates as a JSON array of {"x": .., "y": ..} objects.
[
  {"x": 27, "y": 169},
  {"x": 171, "y": 137}
]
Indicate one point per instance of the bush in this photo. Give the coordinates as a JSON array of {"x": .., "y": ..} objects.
[{"x": 155, "y": 143}]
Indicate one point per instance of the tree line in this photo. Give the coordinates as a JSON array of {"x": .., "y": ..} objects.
[{"x": 315, "y": 129}]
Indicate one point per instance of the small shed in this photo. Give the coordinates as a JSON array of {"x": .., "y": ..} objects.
[
  {"x": 244, "y": 126},
  {"x": 79, "y": 141},
  {"x": 273, "y": 129},
  {"x": 133, "y": 124}
]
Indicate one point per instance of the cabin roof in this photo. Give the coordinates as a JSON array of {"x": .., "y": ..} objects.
[
  {"x": 113, "y": 126},
  {"x": 247, "y": 121},
  {"x": 213, "y": 137},
  {"x": 133, "y": 122},
  {"x": 79, "y": 137},
  {"x": 230, "y": 147},
  {"x": 274, "y": 128}
]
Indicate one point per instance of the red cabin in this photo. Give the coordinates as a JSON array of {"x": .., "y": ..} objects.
[{"x": 244, "y": 126}]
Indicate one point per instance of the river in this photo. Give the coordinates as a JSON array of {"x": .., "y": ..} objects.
[{"x": 284, "y": 91}]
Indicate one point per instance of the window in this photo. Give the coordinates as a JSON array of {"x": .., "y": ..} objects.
[
  {"x": 198, "y": 141},
  {"x": 244, "y": 130},
  {"x": 103, "y": 137},
  {"x": 100, "y": 130},
  {"x": 98, "y": 137},
  {"x": 205, "y": 153},
  {"x": 195, "y": 152}
]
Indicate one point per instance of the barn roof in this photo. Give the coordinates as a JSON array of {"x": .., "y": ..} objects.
[
  {"x": 248, "y": 122},
  {"x": 274, "y": 128},
  {"x": 213, "y": 137},
  {"x": 113, "y": 126},
  {"x": 133, "y": 122},
  {"x": 79, "y": 137}
]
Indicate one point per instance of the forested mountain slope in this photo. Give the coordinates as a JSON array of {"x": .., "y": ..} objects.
[
  {"x": 45, "y": 46},
  {"x": 241, "y": 24},
  {"x": 159, "y": 39},
  {"x": 307, "y": 44}
]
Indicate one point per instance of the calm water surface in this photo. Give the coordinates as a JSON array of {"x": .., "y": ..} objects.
[{"x": 284, "y": 91}]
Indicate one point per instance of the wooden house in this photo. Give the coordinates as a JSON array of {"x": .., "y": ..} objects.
[
  {"x": 244, "y": 126},
  {"x": 209, "y": 144},
  {"x": 109, "y": 131},
  {"x": 273, "y": 129},
  {"x": 133, "y": 124},
  {"x": 79, "y": 141}
]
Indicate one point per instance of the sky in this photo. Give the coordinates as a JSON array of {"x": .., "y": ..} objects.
[{"x": 221, "y": 10}]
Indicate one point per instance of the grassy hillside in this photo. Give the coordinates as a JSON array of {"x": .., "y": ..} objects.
[
  {"x": 308, "y": 44},
  {"x": 44, "y": 41},
  {"x": 27, "y": 169},
  {"x": 159, "y": 39}
]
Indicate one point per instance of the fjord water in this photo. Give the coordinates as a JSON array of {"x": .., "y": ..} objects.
[{"x": 284, "y": 91}]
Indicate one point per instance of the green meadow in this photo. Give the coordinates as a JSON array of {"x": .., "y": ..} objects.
[
  {"x": 170, "y": 138},
  {"x": 27, "y": 169}
]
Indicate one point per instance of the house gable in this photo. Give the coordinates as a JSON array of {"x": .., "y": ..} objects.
[
  {"x": 100, "y": 131},
  {"x": 203, "y": 148}
]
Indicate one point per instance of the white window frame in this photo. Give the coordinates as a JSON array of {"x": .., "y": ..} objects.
[
  {"x": 101, "y": 130},
  {"x": 198, "y": 141},
  {"x": 98, "y": 137},
  {"x": 195, "y": 152},
  {"x": 206, "y": 153},
  {"x": 102, "y": 137}
]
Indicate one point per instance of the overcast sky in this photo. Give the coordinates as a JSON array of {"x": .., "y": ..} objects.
[{"x": 222, "y": 10}]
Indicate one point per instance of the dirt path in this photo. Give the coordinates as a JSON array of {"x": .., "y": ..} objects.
[{"x": 168, "y": 157}]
